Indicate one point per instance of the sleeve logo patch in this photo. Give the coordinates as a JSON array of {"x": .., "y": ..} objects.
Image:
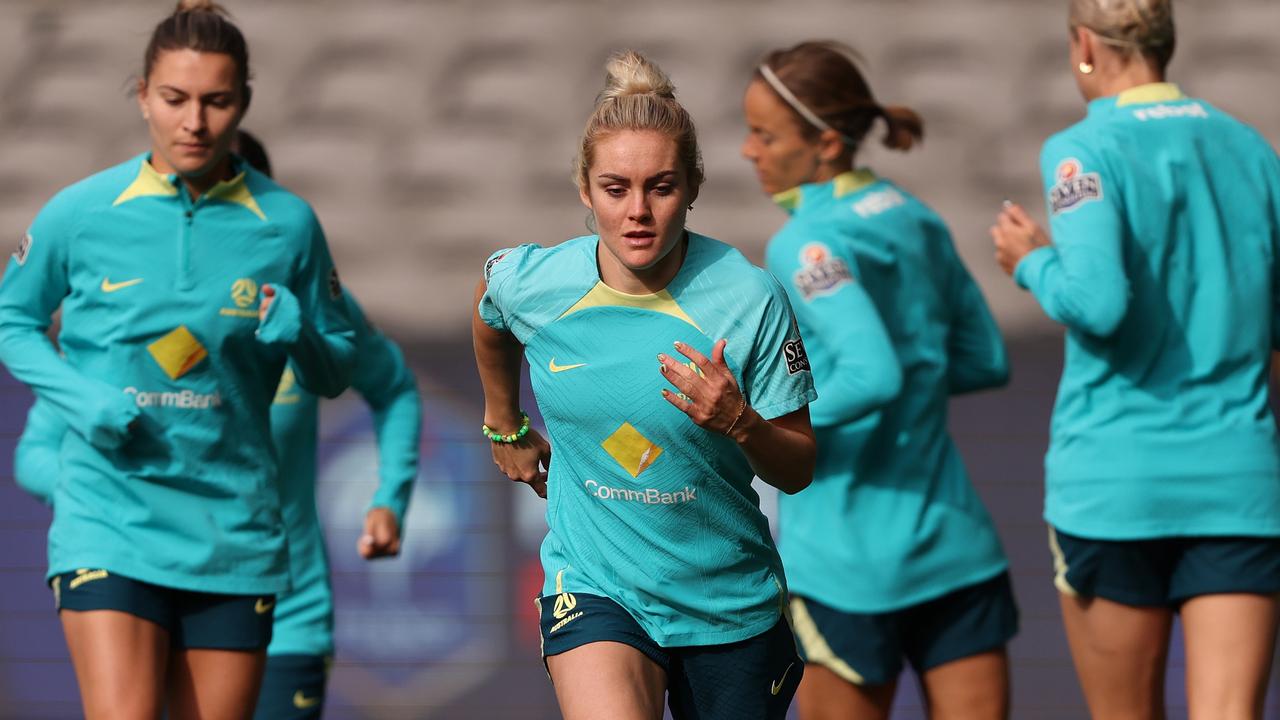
[
  {"x": 1074, "y": 187},
  {"x": 24, "y": 249},
  {"x": 797, "y": 359},
  {"x": 488, "y": 266},
  {"x": 820, "y": 273},
  {"x": 335, "y": 285},
  {"x": 877, "y": 202}
]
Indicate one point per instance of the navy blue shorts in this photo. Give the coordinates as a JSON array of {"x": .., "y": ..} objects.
[
  {"x": 752, "y": 679},
  {"x": 293, "y": 687},
  {"x": 868, "y": 648},
  {"x": 195, "y": 620},
  {"x": 1164, "y": 572}
]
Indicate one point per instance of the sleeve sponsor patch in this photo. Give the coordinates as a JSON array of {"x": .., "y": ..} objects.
[
  {"x": 820, "y": 273},
  {"x": 24, "y": 249},
  {"x": 1074, "y": 187},
  {"x": 797, "y": 359},
  {"x": 875, "y": 203},
  {"x": 335, "y": 285},
  {"x": 488, "y": 266}
]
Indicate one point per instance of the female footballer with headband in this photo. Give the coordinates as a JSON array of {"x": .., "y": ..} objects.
[{"x": 891, "y": 553}]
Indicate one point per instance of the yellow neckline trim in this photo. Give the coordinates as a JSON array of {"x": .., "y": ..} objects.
[
  {"x": 846, "y": 183},
  {"x": 788, "y": 199},
  {"x": 1150, "y": 93},
  {"x": 236, "y": 190},
  {"x": 851, "y": 182},
  {"x": 604, "y": 296},
  {"x": 149, "y": 183}
]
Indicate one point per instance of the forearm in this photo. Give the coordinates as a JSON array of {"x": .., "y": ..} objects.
[
  {"x": 498, "y": 356},
  {"x": 98, "y": 411},
  {"x": 397, "y": 427},
  {"x": 781, "y": 452},
  {"x": 35, "y": 467},
  {"x": 854, "y": 390},
  {"x": 323, "y": 360}
]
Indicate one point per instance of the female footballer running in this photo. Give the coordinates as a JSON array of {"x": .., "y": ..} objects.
[
  {"x": 669, "y": 371},
  {"x": 1162, "y": 477},
  {"x": 186, "y": 282},
  {"x": 891, "y": 554}
]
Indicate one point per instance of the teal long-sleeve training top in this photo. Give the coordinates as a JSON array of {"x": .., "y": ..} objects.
[
  {"x": 168, "y": 474},
  {"x": 304, "y": 615},
  {"x": 303, "y": 619},
  {"x": 1165, "y": 219},
  {"x": 894, "y": 325}
]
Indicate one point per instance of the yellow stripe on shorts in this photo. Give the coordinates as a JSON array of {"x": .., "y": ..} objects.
[{"x": 816, "y": 649}]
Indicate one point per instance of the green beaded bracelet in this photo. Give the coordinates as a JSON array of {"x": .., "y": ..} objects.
[{"x": 513, "y": 437}]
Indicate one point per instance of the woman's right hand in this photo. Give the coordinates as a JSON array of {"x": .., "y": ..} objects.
[{"x": 524, "y": 460}]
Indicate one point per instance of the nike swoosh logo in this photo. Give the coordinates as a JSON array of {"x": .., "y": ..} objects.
[
  {"x": 110, "y": 287},
  {"x": 302, "y": 702},
  {"x": 777, "y": 687},
  {"x": 553, "y": 367},
  {"x": 262, "y": 607}
]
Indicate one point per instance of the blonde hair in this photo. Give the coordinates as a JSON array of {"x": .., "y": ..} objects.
[
  {"x": 637, "y": 95},
  {"x": 1142, "y": 26}
]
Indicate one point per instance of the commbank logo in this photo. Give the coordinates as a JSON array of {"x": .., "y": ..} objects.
[
  {"x": 177, "y": 352},
  {"x": 630, "y": 449},
  {"x": 184, "y": 399}
]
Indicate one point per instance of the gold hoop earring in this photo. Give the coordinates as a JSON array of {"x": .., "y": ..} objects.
[{"x": 1085, "y": 68}]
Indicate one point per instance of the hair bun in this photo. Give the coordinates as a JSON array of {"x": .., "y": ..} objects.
[
  {"x": 630, "y": 73},
  {"x": 191, "y": 6}
]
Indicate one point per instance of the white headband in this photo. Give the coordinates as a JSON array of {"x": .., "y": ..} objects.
[{"x": 798, "y": 106}]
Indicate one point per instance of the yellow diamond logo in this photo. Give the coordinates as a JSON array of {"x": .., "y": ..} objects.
[
  {"x": 633, "y": 451},
  {"x": 177, "y": 352}
]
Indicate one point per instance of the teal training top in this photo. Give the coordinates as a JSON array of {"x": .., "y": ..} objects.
[
  {"x": 1165, "y": 218},
  {"x": 645, "y": 507},
  {"x": 168, "y": 475},
  {"x": 893, "y": 321},
  {"x": 304, "y": 615}
]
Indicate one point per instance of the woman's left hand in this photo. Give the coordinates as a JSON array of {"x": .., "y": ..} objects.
[
  {"x": 711, "y": 397},
  {"x": 1015, "y": 235},
  {"x": 268, "y": 296}
]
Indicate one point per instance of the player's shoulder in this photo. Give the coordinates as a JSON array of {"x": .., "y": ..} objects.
[
  {"x": 278, "y": 205},
  {"x": 531, "y": 261},
  {"x": 731, "y": 272},
  {"x": 96, "y": 192}
]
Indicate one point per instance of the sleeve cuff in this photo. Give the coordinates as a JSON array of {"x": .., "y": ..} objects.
[
  {"x": 283, "y": 321},
  {"x": 1029, "y": 267}
]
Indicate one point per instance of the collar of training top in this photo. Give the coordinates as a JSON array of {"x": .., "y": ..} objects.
[
  {"x": 1150, "y": 93},
  {"x": 844, "y": 184},
  {"x": 152, "y": 183}
]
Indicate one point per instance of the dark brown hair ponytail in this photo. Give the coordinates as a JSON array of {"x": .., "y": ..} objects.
[{"x": 823, "y": 77}]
